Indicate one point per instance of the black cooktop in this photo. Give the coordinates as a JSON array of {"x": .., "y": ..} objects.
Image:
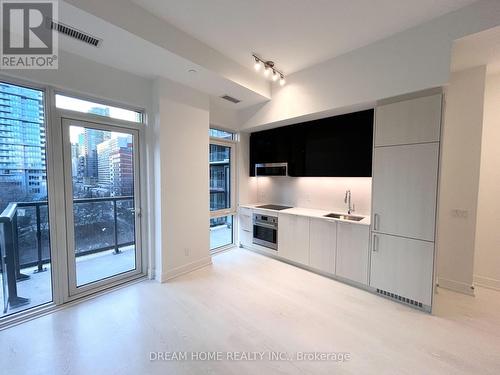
[{"x": 275, "y": 207}]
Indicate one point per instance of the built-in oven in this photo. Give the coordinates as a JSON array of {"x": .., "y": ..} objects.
[{"x": 265, "y": 231}]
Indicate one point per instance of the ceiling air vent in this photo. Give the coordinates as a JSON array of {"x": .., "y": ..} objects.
[
  {"x": 74, "y": 33},
  {"x": 231, "y": 99}
]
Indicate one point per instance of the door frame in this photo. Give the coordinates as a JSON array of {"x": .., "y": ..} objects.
[
  {"x": 73, "y": 288},
  {"x": 62, "y": 292}
]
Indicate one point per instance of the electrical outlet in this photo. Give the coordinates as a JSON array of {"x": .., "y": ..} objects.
[
  {"x": 456, "y": 212},
  {"x": 186, "y": 251}
]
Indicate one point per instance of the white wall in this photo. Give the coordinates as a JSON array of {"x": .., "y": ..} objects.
[
  {"x": 326, "y": 193},
  {"x": 223, "y": 117},
  {"x": 182, "y": 232},
  {"x": 459, "y": 179},
  {"x": 413, "y": 60},
  {"x": 487, "y": 253}
]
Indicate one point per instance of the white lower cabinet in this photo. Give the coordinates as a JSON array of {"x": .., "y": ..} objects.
[
  {"x": 352, "y": 252},
  {"x": 246, "y": 237},
  {"x": 293, "y": 238},
  {"x": 402, "y": 266},
  {"x": 245, "y": 216},
  {"x": 322, "y": 245},
  {"x": 246, "y": 225}
]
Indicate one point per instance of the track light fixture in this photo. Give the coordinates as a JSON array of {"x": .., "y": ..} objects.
[{"x": 269, "y": 69}]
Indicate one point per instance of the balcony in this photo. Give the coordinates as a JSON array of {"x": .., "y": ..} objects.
[{"x": 104, "y": 242}]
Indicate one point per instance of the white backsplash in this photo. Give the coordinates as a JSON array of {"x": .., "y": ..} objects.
[{"x": 326, "y": 193}]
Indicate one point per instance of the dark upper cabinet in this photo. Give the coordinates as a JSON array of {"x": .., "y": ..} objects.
[
  {"x": 339, "y": 146},
  {"x": 268, "y": 146}
]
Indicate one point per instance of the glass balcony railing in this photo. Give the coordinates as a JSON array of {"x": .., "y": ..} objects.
[{"x": 103, "y": 226}]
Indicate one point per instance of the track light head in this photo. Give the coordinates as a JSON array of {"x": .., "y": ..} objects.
[{"x": 257, "y": 64}]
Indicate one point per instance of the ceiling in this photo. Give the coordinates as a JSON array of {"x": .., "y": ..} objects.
[
  {"x": 295, "y": 34},
  {"x": 146, "y": 59},
  {"x": 478, "y": 49}
]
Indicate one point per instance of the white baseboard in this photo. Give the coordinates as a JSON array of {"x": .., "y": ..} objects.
[
  {"x": 487, "y": 282},
  {"x": 456, "y": 286},
  {"x": 186, "y": 268}
]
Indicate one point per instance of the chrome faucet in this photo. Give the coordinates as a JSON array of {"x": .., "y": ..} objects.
[{"x": 347, "y": 200}]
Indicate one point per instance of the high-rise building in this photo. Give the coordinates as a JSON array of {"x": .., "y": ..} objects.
[
  {"x": 92, "y": 138},
  {"x": 22, "y": 144},
  {"x": 81, "y": 144},
  {"x": 75, "y": 153},
  {"x": 115, "y": 166},
  {"x": 99, "y": 111},
  {"x": 219, "y": 177}
]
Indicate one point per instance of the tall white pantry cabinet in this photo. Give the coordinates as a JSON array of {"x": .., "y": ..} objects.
[{"x": 405, "y": 180}]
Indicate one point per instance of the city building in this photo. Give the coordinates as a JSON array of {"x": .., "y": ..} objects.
[
  {"x": 219, "y": 157},
  {"x": 22, "y": 144},
  {"x": 115, "y": 166},
  {"x": 91, "y": 138}
]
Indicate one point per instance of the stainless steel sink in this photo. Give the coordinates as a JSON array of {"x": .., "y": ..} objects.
[{"x": 345, "y": 217}]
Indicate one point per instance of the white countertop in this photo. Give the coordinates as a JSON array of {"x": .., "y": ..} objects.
[{"x": 310, "y": 212}]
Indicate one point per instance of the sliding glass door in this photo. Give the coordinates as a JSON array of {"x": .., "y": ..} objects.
[{"x": 102, "y": 201}]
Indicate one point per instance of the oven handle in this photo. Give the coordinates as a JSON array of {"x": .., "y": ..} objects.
[{"x": 270, "y": 226}]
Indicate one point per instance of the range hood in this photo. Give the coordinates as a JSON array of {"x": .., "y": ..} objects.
[{"x": 271, "y": 169}]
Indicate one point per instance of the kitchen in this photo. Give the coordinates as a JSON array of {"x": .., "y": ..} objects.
[
  {"x": 315, "y": 181},
  {"x": 352, "y": 197}
]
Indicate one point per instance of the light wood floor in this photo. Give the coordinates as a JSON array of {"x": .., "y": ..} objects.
[{"x": 247, "y": 302}]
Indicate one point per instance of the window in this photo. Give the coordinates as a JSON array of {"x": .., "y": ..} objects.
[
  {"x": 25, "y": 251},
  {"x": 222, "y": 134},
  {"x": 85, "y": 106},
  {"x": 221, "y": 231},
  {"x": 222, "y": 177}
]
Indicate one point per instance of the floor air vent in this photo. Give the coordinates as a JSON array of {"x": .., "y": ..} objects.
[
  {"x": 399, "y": 298},
  {"x": 74, "y": 33},
  {"x": 231, "y": 99}
]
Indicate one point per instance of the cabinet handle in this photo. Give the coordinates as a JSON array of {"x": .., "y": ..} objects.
[
  {"x": 375, "y": 243},
  {"x": 376, "y": 219}
]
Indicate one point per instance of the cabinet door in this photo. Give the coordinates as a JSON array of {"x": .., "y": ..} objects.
[
  {"x": 322, "y": 245},
  {"x": 403, "y": 266},
  {"x": 245, "y": 216},
  {"x": 329, "y": 146},
  {"x": 352, "y": 252},
  {"x": 404, "y": 190},
  {"x": 246, "y": 237},
  {"x": 293, "y": 238},
  {"x": 269, "y": 146},
  {"x": 410, "y": 121}
]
